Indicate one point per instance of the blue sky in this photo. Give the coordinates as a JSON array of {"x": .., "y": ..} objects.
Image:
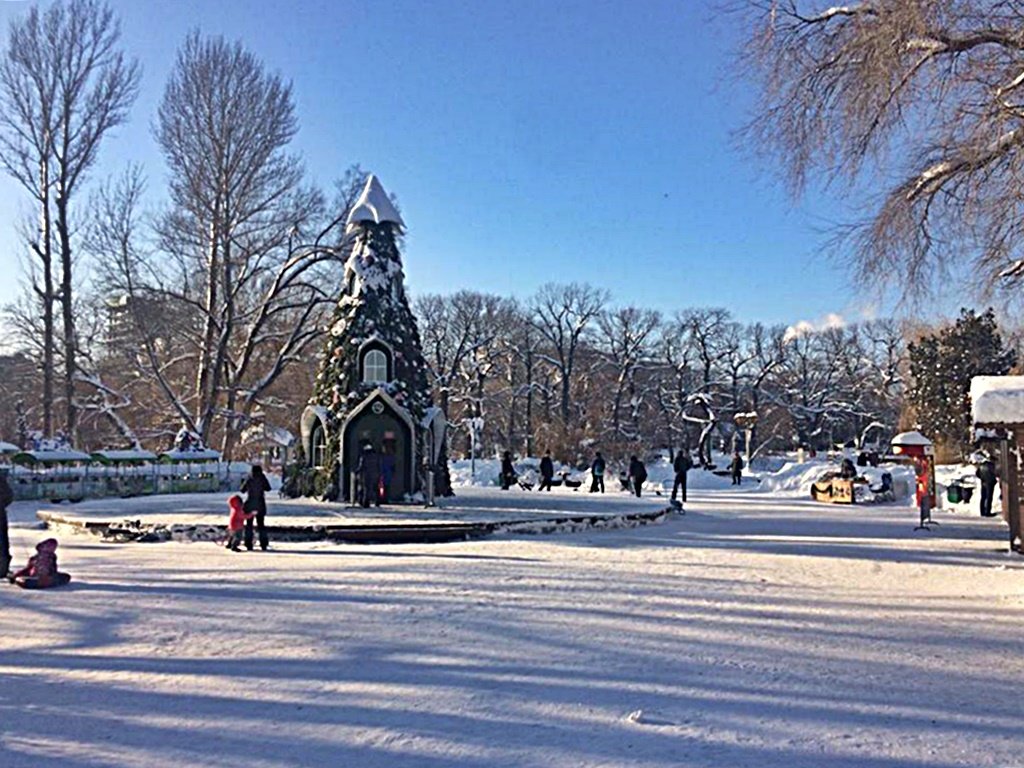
[{"x": 527, "y": 141}]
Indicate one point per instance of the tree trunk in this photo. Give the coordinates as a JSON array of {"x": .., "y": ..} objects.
[
  {"x": 68, "y": 317},
  {"x": 45, "y": 253}
]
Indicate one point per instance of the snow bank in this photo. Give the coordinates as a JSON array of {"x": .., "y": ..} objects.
[
  {"x": 795, "y": 478},
  {"x": 997, "y": 399}
]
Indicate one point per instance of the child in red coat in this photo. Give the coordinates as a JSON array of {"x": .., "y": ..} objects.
[
  {"x": 236, "y": 522},
  {"x": 41, "y": 571}
]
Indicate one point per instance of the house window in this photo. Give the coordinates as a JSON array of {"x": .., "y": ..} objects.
[
  {"x": 375, "y": 367},
  {"x": 318, "y": 446}
]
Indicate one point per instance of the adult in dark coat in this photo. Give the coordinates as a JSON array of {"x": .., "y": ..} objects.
[
  {"x": 986, "y": 473},
  {"x": 681, "y": 465},
  {"x": 387, "y": 472},
  {"x": 369, "y": 476},
  {"x": 597, "y": 474},
  {"x": 637, "y": 474},
  {"x": 547, "y": 471},
  {"x": 508, "y": 472},
  {"x": 6, "y": 497},
  {"x": 736, "y": 468},
  {"x": 255, "y": 489}
]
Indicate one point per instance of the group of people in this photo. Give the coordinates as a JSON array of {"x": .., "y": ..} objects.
[
  {"x": 632, "y": 479},
  {"x": 243, "y": 511},
  {"x": 374, "y": 473}
]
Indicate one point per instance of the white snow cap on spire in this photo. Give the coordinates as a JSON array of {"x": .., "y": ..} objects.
[{"x": 374, "y": 205}]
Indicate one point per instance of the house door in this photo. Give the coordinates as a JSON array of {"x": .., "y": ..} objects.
[{"x": 390, "y": 437}]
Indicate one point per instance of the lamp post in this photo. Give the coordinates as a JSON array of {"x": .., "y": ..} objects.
[
  {"x": 476, "y": 424},
  {"x": 746, "y": 422}
]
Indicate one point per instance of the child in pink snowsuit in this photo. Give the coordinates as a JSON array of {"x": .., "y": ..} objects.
[
  {"x": 41, "y": 571},
  {"x": 236, "y": 522}
]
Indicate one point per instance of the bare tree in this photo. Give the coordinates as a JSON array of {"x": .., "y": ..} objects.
[
  {"x": 562, "y": 315},
  {"x": 918, "y": 101},
  {"x": 625, "y": 338},
  {"x": 64, "y": 84},
  {"x": 247, "y": 248}
]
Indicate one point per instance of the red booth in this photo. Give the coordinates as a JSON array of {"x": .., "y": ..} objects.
[{"x": 920, "y": 449}]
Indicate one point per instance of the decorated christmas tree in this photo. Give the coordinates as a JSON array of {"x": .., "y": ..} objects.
[{"x": 373, "y": 310}]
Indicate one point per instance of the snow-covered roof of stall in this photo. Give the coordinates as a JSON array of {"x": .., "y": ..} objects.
[
  {"x": 8, "y": 447},
  {"x": 203, "y": 454},
  {"x": 911, "y": 438},
  {"x": 997, "y": 400},
  {"x": 268, "y": 433},
  {"x": 114, "y": 456},
  {"x": 50, "y": 457},
  {"x": 374, "y": 205}
]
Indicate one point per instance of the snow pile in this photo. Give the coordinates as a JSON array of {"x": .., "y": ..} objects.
[
  {"x": 795, "y": 478},
  {"x": 997, "y": 399},
  {"x": 577, "y": 526},
  {"x": 487, "y": 473}
]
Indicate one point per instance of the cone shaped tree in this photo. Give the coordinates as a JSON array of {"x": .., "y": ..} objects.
[{"x": 373, "y": 315}]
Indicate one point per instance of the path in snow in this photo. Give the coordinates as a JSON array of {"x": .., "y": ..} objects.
[{"x": 754, "y": 631}]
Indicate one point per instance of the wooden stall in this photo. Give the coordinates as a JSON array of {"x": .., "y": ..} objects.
[{"x": 997, "y": 412}]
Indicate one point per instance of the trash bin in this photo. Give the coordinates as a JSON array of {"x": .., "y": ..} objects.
[
  {"x": 955, "y": 493},
  {"x": 966, "y": 492}
]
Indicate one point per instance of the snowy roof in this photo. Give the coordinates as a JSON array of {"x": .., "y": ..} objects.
[
  {"x": 123, "y": 455},
  {"x": 997, "y": 400},
  {"x": 374, "y": 205},
  {"x": 911, "y": 438},
  {"x": 50, "y": 457},
  {"x": 8, "y": 447},
  {"x": 268, "y": 433},
  {"x": 206, "y": 454}
]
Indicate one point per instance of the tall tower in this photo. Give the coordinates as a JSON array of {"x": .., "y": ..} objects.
[{"x": 372, "y": 383}]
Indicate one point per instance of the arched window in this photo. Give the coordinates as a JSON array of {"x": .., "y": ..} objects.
[
  {"x": 318, "y": 446},
  {"x": 375, "y": 367}
]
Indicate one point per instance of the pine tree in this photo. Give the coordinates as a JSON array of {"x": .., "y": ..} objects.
[
  {"x": 941, "y": 368},
  {"x": 373, "y": 305}
]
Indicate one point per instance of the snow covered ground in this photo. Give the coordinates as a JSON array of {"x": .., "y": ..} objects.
[{"x": 756, "y": 630}]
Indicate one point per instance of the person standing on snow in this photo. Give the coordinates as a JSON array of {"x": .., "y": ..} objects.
[
  {"x": 637, "y": 474},
  {"x": 369, "y": 476},
  {"x": 508, "y": 471},
  {"x": 6, "y": 497},
  {"x": 547, "y": 471},
  {"x": 597, "y": 474},
  {"x": 681, "y": 465},
  {"x": 255, "y": 489},
  {"x": 387, "y": 472},
  {"x": 986, "y": 473},
  {"x": 736, "y": 468}
]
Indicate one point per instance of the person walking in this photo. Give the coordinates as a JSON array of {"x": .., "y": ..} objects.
[
  {"x": 6, "y": 497},
  {"x": 986, "y": 473},
  {"x": 736, "y": 468},
  {"x": 597, "y": 474},
  {"x": 508, "y": 471},
  {"x": 547, "y": 471},
  {"x": 387, "y": 471},
  {"x": 237, "y": 518},
  {"x": 369, "y": 476},
  {"x": 637, "y": 474},
  {"x": 255, "y": 489},
  {"x": 681, "y": 465}
]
